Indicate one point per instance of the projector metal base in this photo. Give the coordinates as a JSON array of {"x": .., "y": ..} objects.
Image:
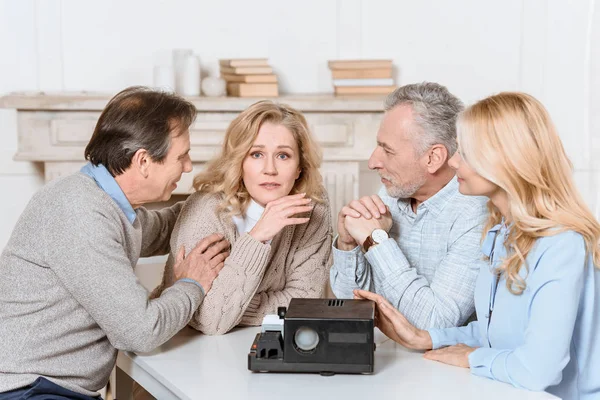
[{"x": 278, "y": 365}]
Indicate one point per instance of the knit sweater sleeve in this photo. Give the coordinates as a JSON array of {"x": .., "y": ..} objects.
[
  {"x": 232, "y": 290},
  {"x": 306, "y": 276},
  {"x": 157, "y": 226},
  {"x": 83, "y": 245}
]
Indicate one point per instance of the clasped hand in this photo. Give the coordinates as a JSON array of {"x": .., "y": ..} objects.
[{"x": 358, "y": 219}]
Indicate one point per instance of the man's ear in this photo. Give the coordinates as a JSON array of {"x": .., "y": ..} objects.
[
  {"x": 141, "y": 162},
  {"x": 437, "y": 156}
]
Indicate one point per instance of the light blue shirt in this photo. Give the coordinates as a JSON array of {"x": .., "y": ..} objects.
[
  {"x": 547, "y": 338},
  {"x": 109, "y": 185},
  {"x": 428, "y": 267}
]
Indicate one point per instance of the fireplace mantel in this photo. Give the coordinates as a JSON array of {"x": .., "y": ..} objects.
[{"x": 53, "y": 129}]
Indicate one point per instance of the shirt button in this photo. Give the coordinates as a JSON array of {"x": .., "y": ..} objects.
[{"x": 487, "y": 315}]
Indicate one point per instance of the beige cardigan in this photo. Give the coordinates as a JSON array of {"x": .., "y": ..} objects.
[{"x": 257, "y": 278}]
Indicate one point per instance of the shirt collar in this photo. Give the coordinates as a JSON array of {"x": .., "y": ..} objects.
[
  {"x": 490, "y": 237},
  {"x": 107, "y": 182},
  {"x": 436, "y": 203},
  {"x": 254, "y": 211}
]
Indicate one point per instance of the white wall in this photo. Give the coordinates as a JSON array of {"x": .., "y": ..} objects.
[
  {"x": 473, "y": 47},
  {"x": 18, "y": 71}
]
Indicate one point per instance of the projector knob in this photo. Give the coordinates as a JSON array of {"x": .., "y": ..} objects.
[{"x": 281, "y": 311}]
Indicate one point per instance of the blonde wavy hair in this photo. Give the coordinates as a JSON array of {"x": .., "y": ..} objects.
[
  {"x": 510, "y": 140},
  {"x": 223, "y": 174}
]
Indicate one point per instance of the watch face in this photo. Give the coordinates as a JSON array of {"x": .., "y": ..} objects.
[{"x": 379, "y": 235}]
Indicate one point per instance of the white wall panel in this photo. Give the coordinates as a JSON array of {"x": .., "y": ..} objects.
[
  {"x": 118, "y": 42},
  {"x": 544, "y": 47},
  {"x": 470, "y": 46}
]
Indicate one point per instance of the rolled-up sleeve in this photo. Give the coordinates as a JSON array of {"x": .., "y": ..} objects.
[{"x": 348, "y": 272}]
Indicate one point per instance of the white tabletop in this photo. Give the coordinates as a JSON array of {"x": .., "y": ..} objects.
[{"x": 195, "y": 366}]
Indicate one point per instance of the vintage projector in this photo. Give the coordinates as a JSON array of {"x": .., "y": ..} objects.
[{"x": 328, "y": 336}]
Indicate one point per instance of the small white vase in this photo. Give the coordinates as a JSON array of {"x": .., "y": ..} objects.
[
  {"x": 180, "y": 57},
  {"x": 190, "y": 76},
  {"x": 213, "y": 86}
]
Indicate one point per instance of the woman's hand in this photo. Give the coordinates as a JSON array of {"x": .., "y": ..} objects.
[
  {"x": 394, "y": 325},
  {"x": 278, "y": 214},
  {"x": 457, "y": 355}
]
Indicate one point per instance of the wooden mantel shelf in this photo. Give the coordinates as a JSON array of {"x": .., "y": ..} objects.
[
  {"x": 89, "y": 101},
  {"x": 54, "y": 129}
]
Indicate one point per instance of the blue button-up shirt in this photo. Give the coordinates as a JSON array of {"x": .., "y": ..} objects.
[
  {"x": 428, "y": 267},
  {"x": 108, "y": 183},
  {"x": 548, "y": 337}
]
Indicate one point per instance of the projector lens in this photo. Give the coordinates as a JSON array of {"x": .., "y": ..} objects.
[{"x": 306, "y": 339}]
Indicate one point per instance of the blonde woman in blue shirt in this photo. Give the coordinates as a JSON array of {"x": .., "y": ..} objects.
[{"x": 538, "y": 298}]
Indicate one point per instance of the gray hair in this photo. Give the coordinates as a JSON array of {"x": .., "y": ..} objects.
[{"x": 436, "y": 110}]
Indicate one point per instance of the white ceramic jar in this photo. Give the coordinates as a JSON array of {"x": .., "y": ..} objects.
[{"x": 214, "y": 86}]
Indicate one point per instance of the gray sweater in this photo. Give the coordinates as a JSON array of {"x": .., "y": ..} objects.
[{"x": 69, "y": 298}]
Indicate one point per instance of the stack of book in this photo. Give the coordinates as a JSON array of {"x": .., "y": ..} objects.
[
  {"x": 249, "y": 77},
  {"x": 362, "y": 77}
]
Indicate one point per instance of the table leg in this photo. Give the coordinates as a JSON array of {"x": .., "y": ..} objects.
[{"x": 124, "y": 389}]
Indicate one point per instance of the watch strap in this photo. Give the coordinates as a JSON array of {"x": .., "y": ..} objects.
[{"x": 368, "y": 243}]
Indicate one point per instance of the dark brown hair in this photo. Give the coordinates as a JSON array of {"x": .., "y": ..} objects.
[{"x": 137, "y": 118}]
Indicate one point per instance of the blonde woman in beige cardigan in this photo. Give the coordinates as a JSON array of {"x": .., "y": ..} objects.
[{"x": 264, "y": 193}]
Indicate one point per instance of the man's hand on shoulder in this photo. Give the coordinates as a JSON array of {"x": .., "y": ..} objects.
[{"x": 204, "y": 262}]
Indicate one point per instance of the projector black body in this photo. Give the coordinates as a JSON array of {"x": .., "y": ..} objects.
[{"x": 343, "y": 330}]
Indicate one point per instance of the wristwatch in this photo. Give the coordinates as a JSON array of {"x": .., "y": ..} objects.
[{"x": 376, "y": 237}]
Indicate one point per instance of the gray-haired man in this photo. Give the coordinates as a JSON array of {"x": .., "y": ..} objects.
[{"x": 417, "y": 242}]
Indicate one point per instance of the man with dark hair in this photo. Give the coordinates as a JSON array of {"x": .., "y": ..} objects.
[{"x": 69, "y": 298}]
